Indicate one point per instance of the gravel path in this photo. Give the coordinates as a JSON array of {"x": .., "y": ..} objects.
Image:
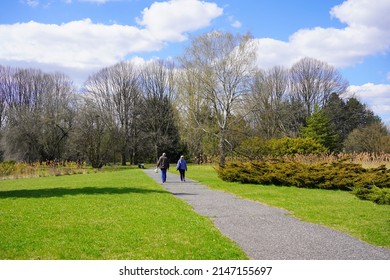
[{"x": 269, "y": 233}]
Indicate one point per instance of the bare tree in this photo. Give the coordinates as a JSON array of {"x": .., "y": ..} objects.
[
  {"x": 195, "y": 115},
  {"x": 115, "y": 90},
  {"x": 4, "y": 88},
  {"x": 5, "y": 80},
  {"x": 371, "y": 138},
  {"x": 59, "y": 112},
  {"x": 224, "y": 64},
  {"x": 312, "y": 82},
  {"x": 38, "y": 114},
  {"x": 91, "y": 139},
  {"x": 268, "y": 102},
  {"x": 158, "y": 117}
]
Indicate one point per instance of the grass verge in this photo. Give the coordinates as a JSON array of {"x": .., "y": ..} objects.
[
  {"x": 106, "y": 215},
  {"x": 339, "y": 210}
]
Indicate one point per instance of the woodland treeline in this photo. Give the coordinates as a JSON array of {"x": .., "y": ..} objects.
[{"x": 209, "y": 102}]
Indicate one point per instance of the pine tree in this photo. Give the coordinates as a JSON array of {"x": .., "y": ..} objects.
[{"x": 319, "y": 128}]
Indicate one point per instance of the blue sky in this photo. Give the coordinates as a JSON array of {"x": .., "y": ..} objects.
[{"x": 79, "y": 37}]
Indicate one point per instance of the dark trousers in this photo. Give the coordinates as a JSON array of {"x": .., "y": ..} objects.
[{"x": 182, "y": 174}]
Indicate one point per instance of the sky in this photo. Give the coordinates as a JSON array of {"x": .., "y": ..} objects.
[{"x": 80, "y": 37}]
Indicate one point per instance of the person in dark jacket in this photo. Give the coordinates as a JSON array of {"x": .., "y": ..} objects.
[
  {"x": 163, "y": 164},
  {"x": 182, "y": 167}
]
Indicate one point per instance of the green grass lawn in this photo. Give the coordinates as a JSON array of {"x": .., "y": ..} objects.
[
  {"x": 336, "y": 209},
  {"x": 124, "y": 214},
  {"x": 105, "y": 215}
]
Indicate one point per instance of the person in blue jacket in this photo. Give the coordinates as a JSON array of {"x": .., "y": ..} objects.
[{"x": 182, "y": 167}]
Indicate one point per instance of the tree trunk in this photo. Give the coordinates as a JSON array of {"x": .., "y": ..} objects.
[
  {"x": 123, "y": 156},
  {"x": 222, "y": 151}
]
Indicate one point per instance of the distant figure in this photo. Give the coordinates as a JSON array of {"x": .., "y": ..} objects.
[
  {"x": 141, "y": 165},
  {"x": 163, "y": 164},
  {"x": 182, "y": 167}
]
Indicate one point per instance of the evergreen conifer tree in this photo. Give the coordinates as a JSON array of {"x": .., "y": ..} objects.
[{"x": 319, "y": 128}]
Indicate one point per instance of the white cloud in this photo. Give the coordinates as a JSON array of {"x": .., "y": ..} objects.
[
  {"x": 95, "y": 1},
  {"x": 90, "y": 1},
  {"x": 367, "y": 33},
  {"x": 234, "y": 23},
  {"x": 83, "y": 44},
  {"x": 32, "y": 3},
  {"x": 79, "y": 44},
  {"x": 376, "y": 96},
  {"x": 273, "y": 52},
  {"x": 356, "y": 13},
  {"x": 171, "y": 20}
]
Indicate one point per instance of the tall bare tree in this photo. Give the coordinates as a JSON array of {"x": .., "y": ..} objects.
[
  {"x": 268, "y": 102},
  {"x": 38, "y": 116},
  {"x": 4, "y": 88},
  {"x": 158, "y": 115},
  {"x": 59, "y": 112},
  {"x": 223, "y": 63},
  {"x": 312, "y": 82},
  {"x": 91, "y": 139},
  {"x": 195, "y": 115},
  {"x": 115, "y": 90}
]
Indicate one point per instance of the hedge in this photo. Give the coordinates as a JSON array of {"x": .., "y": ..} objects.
[{"x": 368, "y": 184}]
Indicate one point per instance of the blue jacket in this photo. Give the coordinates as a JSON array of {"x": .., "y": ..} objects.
[{"x": 181, "y": 164}]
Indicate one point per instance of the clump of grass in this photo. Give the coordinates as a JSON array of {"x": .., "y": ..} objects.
[
  {"x": 17, "y": 170},
  {"x": 367, "y": 160},
  {"x": 7, "y": 168}
]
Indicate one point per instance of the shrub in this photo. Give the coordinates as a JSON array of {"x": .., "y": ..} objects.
[
  {"x": 12, "y": 169},
  {"x": 7, "y": 168},
  {"x": 253, "y": 148},
  {"x": 292, "y": 146},
  {"x": 371, "y": 184},
  {"x": 257, "y": 148},
  {"x": 373, "y": 193}
]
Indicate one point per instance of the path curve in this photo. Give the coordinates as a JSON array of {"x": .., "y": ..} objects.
[{"x": 269, "y": 233}]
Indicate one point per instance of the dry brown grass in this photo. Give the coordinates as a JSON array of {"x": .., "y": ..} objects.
[
  {"x": 23, "y": 170},
  {"x": 367, "y": 160}
]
